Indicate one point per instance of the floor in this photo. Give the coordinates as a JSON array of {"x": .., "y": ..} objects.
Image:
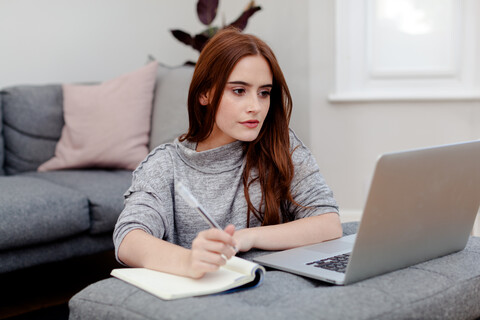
[
  {"x": 59, "y": 312},
  {"x": 43, "y": 292}
]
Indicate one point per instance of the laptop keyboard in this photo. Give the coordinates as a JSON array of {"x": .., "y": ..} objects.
[{"x": 336, "y": 263}]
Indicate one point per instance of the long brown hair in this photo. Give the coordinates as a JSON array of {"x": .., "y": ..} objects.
[{"x": 269, "y": 153}]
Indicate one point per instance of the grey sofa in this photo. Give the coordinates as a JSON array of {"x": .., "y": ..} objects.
[
  {"x": 53, "y": 216},
  {"x": 443, "y": 288}
]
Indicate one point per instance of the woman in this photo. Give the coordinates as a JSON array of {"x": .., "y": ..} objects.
[{"x": 242, "y": 163}]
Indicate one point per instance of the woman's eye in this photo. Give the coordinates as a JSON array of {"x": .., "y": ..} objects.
[
  {"x": 239, "y": 91},
  {"x": 264, "y": 93}
]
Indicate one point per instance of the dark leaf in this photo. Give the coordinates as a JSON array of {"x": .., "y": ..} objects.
[
  {"x": 199, "y": 42},
  {"x": 183, "y": 37},
  {"x": 241, "y": 22},
  {"x": 207, "y": 10}
]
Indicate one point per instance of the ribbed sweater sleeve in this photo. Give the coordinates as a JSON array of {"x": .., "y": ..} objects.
[{"x": 308, "y": 187}]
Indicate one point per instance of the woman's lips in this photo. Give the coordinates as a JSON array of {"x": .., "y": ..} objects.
[{"x": 250, "y": 123}]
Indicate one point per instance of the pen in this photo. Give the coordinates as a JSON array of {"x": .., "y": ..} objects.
[{"x": 193, "y": 202}]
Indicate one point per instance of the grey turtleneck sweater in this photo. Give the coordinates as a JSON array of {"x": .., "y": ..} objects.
[{"x": 215, "y": 178}]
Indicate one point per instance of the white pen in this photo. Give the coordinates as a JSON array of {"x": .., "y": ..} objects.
[{"x": 193, "y": 202}]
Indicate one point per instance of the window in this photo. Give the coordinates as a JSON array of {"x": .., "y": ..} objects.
[{"x": 407, "y": 50}]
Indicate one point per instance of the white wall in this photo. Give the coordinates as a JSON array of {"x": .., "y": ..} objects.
[{"x": 87, "y": 40}]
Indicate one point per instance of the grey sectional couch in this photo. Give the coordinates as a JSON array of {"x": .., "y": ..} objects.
[{"x": 53, "y": 216}]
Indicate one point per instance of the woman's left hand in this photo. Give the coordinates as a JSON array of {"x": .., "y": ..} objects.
[{"x": 244, "y": 239}]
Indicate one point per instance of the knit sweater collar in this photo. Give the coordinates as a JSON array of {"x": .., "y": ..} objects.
[{"x": 217, "y": 160}]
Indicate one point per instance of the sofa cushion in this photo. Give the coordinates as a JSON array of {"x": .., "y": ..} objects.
[
  {"x": 106, "y": 125},
  {"x": 2, "y": 146},
  {"x": 36, "y": 211},
  {"x": 170, "y": 112},
  {"x": 79, "y": 245},
  {"x": 104, "y": 190},
  {"x": 32, "y": 124}
]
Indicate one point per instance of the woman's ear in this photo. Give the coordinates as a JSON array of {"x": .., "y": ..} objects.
[{"x": 203, "y": 99}]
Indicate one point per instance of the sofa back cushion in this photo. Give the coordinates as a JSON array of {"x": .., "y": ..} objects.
[
  {"x": 33, "y": 118},
  {"x": 2, "y": 147},
  {"x": 32, "y": 124},
  {"x": 170, "y": 113}
]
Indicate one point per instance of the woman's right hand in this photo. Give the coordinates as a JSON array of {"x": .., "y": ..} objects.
[{"x": 210, "y": 250}]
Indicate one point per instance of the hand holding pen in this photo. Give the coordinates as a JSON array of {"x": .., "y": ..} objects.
[{"x": 209, "y": 243}]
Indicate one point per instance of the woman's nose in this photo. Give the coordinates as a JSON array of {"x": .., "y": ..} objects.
[{"x": 253, "y": 105}]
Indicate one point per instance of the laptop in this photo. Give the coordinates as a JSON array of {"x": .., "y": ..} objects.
[{"x": 421, "y": 205}]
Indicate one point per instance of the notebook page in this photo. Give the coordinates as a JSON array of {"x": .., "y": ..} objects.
[{"x": 168, "y": 286}]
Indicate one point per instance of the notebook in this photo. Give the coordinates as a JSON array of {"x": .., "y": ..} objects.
[
  {"x": 235, "y": 275},
  {"x": 421, "y": 205}
]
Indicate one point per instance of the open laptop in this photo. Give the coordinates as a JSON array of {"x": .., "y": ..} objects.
[{"x": 421, "y": 205}]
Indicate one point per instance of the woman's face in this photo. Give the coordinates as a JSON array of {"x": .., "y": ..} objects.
[{"x": 244, "y": 103}]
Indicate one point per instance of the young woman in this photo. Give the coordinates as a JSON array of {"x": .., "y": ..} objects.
[{"x": 242, "y": 163}]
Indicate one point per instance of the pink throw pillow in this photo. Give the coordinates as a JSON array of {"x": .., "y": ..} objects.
[{"x": 106, "y": 125}]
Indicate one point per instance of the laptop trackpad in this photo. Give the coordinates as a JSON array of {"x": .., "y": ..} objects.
[{"x": 330, "y": 246}]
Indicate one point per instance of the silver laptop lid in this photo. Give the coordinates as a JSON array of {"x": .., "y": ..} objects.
[{"x": 421, "y": 205}]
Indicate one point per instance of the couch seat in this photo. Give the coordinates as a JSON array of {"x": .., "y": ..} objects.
[
  {"x": 36, "y": 211},
  {"x": 104, "y": 190}
]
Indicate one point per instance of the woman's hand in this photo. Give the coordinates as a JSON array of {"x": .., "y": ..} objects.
[{"x": 210, "y": 250}]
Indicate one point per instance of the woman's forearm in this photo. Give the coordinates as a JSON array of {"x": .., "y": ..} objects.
[
  {"x": 292, "y": 234},
  {"x": 140, "y": 249},
  {"x": 210, "y": 250}
]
